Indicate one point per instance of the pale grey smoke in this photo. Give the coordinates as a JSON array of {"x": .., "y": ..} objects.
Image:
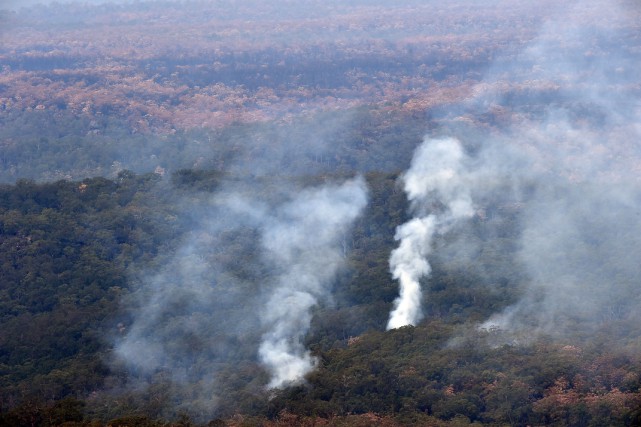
[
  {"x": 303, "y": 240},
  {"x": 186, "y": 326},
  {"x": 188, "y": 323},
  {"x": 437, "y": 182},
  {"x": 580, "y": 216}
]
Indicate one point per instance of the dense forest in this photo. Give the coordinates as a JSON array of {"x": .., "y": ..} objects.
[
  {"x": 70, "y": 250},
  {"x": 204, "y": 203}
]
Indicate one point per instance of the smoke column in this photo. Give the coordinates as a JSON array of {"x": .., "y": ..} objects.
[
  {"x": 303, "y": 240},
  {"x": 437, "y": 182}
]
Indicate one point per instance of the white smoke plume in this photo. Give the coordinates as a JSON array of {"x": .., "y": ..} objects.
[
  {"x": 223, "y": 313},
  {"x": 188, "y": 323},
  {"x": 437, "y": 182},
  {"x": 562, "y": 172},
  {"x": 303, "y": 240}
]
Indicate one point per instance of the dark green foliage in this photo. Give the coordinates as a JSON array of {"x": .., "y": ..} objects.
[
  {"x": 65, "y": 412},
  {"x": 70, "y": 252},
  {"x": 196, "y": 179},
  {"x": 64, "y": 250},
  {"x": 423, "y": 370},
  {"x": 133, "y": 421}
]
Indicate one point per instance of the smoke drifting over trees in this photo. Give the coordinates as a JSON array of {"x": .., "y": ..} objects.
[
  {"x": 580, "y": 219},
  {"x": 261, "y": 255},
  {"x": 300, "y": 163},
  {"x": 571, "y": 171},
  {"x": 183, "y": 324}
]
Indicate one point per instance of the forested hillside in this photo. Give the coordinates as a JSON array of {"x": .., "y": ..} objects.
[
  {"x": 211, "y": 211},
  {"x": 71, "y": 249}
]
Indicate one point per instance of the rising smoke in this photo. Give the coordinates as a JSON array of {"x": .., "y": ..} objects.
[
  {"x": 303, "y": 240},
  {"x": 189, "y": 326},
  {"x": 439, "y": 194},
  {"x": 572, "y": 174}
]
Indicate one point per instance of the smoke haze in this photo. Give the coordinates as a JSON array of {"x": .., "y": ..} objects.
[
  {"x": 581, "y": 224},
  {"x": 572, "y": 174}
]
